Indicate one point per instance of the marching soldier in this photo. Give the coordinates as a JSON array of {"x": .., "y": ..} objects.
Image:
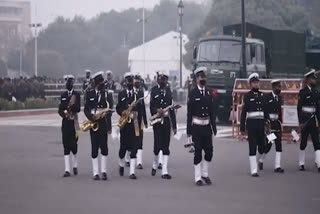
[
  {"x": 109, "y": 83},
  {"x": 253, "y": 119},
  {"x": 87, "y": 82},
  {"x": 129, "y": 134},
  {"x": 68, "y": 109},
  {"x": 96, "y": 101},
  {"x": 308, "y": 113},
  {"x": 201, "y": 125},
  {"x": 161, "y": 97},
  {"x": 138, "y": 89},
  {"x": 274, "y": 113}
]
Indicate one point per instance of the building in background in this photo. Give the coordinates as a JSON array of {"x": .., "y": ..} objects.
[
  {"x": 159, "y": 54},
  {"x": 15, "y": 17}
]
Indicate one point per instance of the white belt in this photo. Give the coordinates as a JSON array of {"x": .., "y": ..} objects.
[
  {"x": 274, "y": 116},
  {"x": 201, "y": 121},
  {"x": 256, "y": 115},
  {"x": 309, "y": 109}
]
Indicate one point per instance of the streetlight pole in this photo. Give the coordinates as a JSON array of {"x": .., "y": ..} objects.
[
  {"x": 180, "y": 13},
  {"x": 243, "y": 34},
  {"x": 144, "y": 37},
  {"x": 35, "y": 26}
]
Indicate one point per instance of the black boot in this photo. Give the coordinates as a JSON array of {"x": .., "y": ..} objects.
[
  {"x": 166, "y": 176},
  {"x": 133, "y": 177},
  {"x": 96, "y": 177},
  {"x": 160, "y": 166},
  {"x": 139, "y": 166},
  {"x": 75, "y": 171},
  {"x": 153, "y": 172},
  {"x": 301, "y": 168},
  {"x": 255, "y": 175},
  {"x": 199, "y": 183},
  {"x": 207, "y": 180},
  {"x": 121, "y": 171},
  {"x": 104, "y": 176},
  {"x": 66, "y": 174},
  {"x": 319, "y": 169},
  {"x": 127, "y": 164},
  {"x": 260, "y": 166},
  {"x": 279, "y": 170}
]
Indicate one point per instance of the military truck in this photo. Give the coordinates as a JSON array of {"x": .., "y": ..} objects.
[{"x": 222, "y": 57}]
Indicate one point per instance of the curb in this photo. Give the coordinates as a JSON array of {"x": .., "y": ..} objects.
[{"x": 18, "y": 113}]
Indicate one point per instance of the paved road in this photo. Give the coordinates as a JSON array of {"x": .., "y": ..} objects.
[{"x": 31, "y": 165}]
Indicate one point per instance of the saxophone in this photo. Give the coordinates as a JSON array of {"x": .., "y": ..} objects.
[
  {"x": 68, "y": 111},
  {"x": 126, "y": 119},
  {"x": 94, "y": 125}
]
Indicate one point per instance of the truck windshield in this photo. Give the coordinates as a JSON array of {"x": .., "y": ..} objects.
[{"x": 219, "y": 51}]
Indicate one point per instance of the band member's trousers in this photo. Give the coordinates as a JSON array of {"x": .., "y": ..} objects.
[
  {"x": 312, "y": 130},
  {"x": 69, "y": 139},
  {"x": 256, "y": 136},
  {"x": 140, "y": 141},
  {"x": 202, "y": 143},
  {"x": 99, "y": 140},
  {"x": 278, "y": 143},
  {"x": 128, "y": 141},
  {"x": 162, "y": 134}
]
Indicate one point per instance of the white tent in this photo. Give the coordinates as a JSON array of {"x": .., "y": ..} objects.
[{"x": 159, "y": 54}]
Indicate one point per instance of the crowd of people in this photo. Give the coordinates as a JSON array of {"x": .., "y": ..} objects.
[{"x": 22, "y": 88}]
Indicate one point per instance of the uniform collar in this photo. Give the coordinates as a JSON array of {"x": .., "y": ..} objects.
[
  {"x": 309, "y": 88},
  {"x": 129, "y": 91},
  {"x": 203, "y": 88},
  {"x": 70, "y": 92}
]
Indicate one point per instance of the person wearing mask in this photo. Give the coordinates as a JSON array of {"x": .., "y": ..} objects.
[
  {"x": 68, "y": 109},
  {"x": 161, "y": 98},
  {"x": 201, "y": 125},
  {"x": 274, "y": 112},
  {"x": 309, "y": 115},
  {"x": 253, "y": 120},
  {"x": 96, "y": 101}
]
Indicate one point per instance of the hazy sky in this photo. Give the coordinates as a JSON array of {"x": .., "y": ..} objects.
[{"x": 48, "y": 10}]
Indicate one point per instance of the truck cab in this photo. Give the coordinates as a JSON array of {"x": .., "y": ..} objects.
[{"x": 222, "y": 57}]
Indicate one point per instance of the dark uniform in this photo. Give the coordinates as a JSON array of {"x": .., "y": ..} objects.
[
  {"x": 142, "y": 123},
  {"x": 253, "y": 119},
  {"x": 129, "y": 134},
  {"x": 160, "y": 99},
  {"x": 201, "y": 125},
  {"x": 70, "y": 128},
  {"x": 274, "y": 113},
  {"x": 96, "y": 101},
  {"x": 309, "y": 115}
]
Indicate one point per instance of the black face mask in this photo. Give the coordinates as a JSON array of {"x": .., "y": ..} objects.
[
  {"x": 100, "y": 86},
  {"x": 137, "y": 85},
  {"x": 203, "y": 82},
  {"x": 69, "y": 86},
  {"x": 162, "y": 84},
  {"x": 255, "y": 89},
  {"x": 130, "y": 85},
  {"x": 277, "y": 91}
]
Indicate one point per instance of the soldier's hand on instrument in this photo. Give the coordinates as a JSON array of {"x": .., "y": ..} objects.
[{"x": 160, "y": 111}]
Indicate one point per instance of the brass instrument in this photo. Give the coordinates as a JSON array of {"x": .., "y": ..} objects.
[
  {"x": 125, "y": 119},
  {"x": 267, "y": 127},
  {"x": 68, "y": 111},
  {"x": 157, "y": 118},
  {"x": 94, "y": 125}
]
